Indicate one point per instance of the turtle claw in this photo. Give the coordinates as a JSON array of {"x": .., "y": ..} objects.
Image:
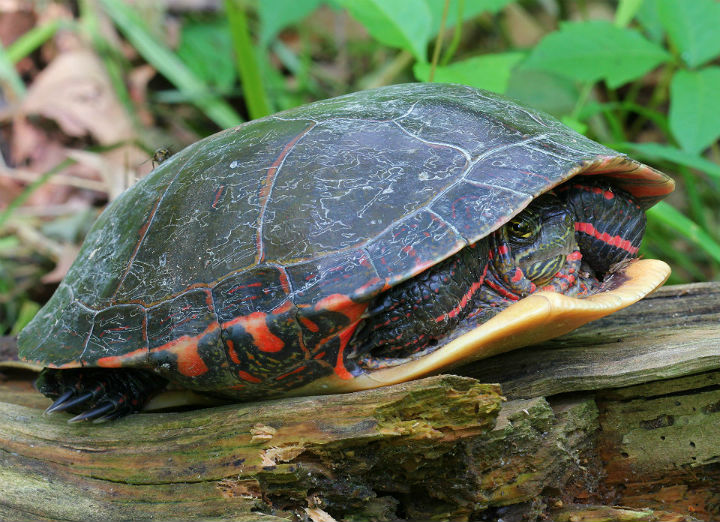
[
  {"x": 67, "y": 404},
  {"x": 99, "y": 411},
  {"x": 98, "y": 395},
  {"x": 59, "y": 404}
]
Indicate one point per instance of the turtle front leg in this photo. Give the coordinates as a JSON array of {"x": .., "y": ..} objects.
[
  {"x": 98, "y": 394},
  {"x": 609, "y": 222}
]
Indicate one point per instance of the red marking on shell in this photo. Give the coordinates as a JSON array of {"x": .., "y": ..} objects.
[
  {"x": 189, "y": 361},
  {"x": 344, "y": 337},
  {"x": 309, "y": 324},
  {"x": 284, "y": 280},
  {"x": 245, "y": 376},
  {"x": 281, "y": 309},
  {"x": 240, "y": 287},
  {"x": 608, "y": 194},
  {"x": 256, "y": 325},
  {"x": 407, "y": 249},
  {"x": 231, "y": 351},
  {"x": 374, "y": 281},
  {"x": 185, "y": 349},
  {"x": 117, "y": 361},
  {"x": 296, "y": 370},
  {"x": 616, "y": 241},
  {"x": 320, "y": 355},
  {"x": 218, "y": 193},
  {"x": 343, "y": 304},
  {"x": 518, "y": 276}
]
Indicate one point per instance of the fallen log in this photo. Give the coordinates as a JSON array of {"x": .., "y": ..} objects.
[{"x": 590, "y": 421}]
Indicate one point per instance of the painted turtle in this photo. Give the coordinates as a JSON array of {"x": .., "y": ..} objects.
[{"x": 346, "y": 244}]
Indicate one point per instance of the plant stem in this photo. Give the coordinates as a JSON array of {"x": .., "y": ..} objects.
[
  {"x": 438, "y": 41},
  {"x": 255, "y": 98},
  {"x": 457, "y": 33}
]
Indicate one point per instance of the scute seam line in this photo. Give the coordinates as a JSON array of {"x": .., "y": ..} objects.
[{"x": 151, "y": 218}]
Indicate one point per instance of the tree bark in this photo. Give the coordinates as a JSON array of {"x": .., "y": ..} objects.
[{"x": 622, "y": 411}]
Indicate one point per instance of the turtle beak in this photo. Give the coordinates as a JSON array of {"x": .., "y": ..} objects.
[{"x": 534, "y": 319}]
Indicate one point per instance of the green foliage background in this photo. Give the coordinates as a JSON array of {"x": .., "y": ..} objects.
[{"x": 641, "y": 77}]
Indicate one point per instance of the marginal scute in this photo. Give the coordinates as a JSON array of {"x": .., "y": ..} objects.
[
  {"x": 261, "y": 288},
  {"x": 118, "y": 330},
  {"x": 188, "y": 314},
  {"x": 472, "y": 208},
  {"x": 412, "y": 245}
]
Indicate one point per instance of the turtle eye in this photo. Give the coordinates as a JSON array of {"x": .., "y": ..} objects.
[{"x": 520, "y": 228}]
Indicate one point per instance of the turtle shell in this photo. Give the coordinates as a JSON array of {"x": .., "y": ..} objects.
[{"x": 303, "y": 216}]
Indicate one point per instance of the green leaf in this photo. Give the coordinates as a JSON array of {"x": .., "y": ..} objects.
[
  {"x": 695, "y": 108},
  {"x": 167, "y": 63},
  {"x": 543, "y": 90},
  {"x": 206, "y": 49},
  {"x": 663, "y": 213},
  {"x": 276, "y": 15},
  {"x": 649, "y": 18},
  {"x": 398, "y": 23},
  {"x": 657, "y": 151},
  {"x": 9, "y": 76},
  {"x": 596, "y": 50},
  {"x": 626, "y": 11},
  {"x": 32, "y": 39},
  {"x": 491, "y": 71},
  {"x": 27, "y": 311},
  {"x": 471, "y": 9},
  {"x": 693, "y": 26},
  {"x": 247, "y": 59}
]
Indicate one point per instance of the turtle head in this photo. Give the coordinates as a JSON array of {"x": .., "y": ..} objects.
[{"x": 533, "y": 246}]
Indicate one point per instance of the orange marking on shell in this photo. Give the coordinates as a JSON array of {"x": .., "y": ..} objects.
[
  {"x": 189, "y": 361},
  {"x": 281, "y": 309},
  {"x": 296, "y": 370},
  {"x": 256, "y": 325},
  {"x": 342, "y": 304},
  {"x": 344, "y": 337},
  {"x": 245, "y": 376},
  {"x": 185, "y": 349},
  {"x": 231, "y": 350},
  {"x": 117, "y": 361},
  {"x": 309, "y": 324}
]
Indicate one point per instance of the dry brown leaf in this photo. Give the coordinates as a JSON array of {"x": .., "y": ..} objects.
[
  {"x": 67, "y": 256},
  {"x": 74, "y": 91},
  {"x": 318, "y": 515}
]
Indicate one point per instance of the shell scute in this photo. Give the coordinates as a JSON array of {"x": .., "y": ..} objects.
[
  {"x": 346, "y": 182},
  {"x": 412, "y": 245},
  {"x": 473, "y": 209},
  {"x": 261, "y": 288},
  {"x": 118, "y": 330}
]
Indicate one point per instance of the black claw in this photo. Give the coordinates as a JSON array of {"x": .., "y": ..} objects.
[
  {"x": 55, "y": 406},
  {"x": 70, "y": 403},
  {"x": 94, "y": 413},
  {"x": 98, "y": 394}
]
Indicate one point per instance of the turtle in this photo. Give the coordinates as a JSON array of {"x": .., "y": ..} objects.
[{"x": 346, "y": 244}]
